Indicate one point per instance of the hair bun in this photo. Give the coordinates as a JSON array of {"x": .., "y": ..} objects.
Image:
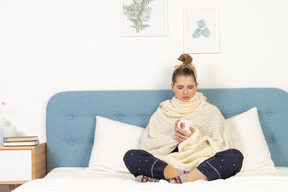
[
  {"x": 186, "y": 59},
  {"x": 186, "y": 68}
]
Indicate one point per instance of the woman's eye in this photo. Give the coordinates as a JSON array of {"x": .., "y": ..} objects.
[{"x": 191, "y": 87}]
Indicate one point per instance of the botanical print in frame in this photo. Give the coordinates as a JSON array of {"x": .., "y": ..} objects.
[
  {"x": 201, "y": 33},
  {"x": 143, "y": 18}
]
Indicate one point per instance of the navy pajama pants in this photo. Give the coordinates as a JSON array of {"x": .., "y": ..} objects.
[{"x": 222, "y": 165}]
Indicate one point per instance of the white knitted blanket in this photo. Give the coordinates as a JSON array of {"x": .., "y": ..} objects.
[{"x": 210, "y": 137}]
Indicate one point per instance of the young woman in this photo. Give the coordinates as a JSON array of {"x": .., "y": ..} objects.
[{"x": 168, "y": 152}]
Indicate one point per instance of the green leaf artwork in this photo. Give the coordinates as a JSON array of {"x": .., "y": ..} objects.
[
  {"x": 201, "y": 30},
  {"x": 138, "y": 12}
]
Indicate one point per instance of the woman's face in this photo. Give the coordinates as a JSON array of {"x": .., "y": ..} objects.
[{"x": 184, "y": 88}]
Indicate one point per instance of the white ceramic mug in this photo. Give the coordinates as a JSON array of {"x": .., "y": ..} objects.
[{"x": 186, "y": 124}]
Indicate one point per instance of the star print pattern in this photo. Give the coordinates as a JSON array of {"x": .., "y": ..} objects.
[
  {"x": 140, "y": 162},
  {"x": 223, "y": 165}
]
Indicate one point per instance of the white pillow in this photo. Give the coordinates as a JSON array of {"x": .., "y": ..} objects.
[
  {"x": 247, "y": 136},
  {"x": 112, "y": 140}
]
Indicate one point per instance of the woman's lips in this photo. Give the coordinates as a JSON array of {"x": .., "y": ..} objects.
[{"x": 185, "y": 98}]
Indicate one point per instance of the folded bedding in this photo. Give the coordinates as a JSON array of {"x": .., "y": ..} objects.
[{"x": 83, "y": 179}]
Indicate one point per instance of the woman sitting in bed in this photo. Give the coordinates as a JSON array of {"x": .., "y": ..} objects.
[{"x": 177, "y": 155}]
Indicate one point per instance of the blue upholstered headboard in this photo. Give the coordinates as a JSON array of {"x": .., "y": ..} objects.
[{"x": 70, "y": 122}]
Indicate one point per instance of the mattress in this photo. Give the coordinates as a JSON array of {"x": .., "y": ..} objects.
[{"x": 78, "y": 179}]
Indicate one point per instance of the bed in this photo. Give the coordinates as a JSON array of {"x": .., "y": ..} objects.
[{"x": 88, "y": 132}]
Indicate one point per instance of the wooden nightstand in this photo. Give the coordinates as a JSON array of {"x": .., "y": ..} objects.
[{"x": 21, "y": 164}]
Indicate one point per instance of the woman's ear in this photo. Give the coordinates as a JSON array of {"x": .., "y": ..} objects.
[{"x": 172, "y": 87}]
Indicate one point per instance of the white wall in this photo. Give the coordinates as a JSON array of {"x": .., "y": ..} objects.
[{"x": 47, "y": 46}]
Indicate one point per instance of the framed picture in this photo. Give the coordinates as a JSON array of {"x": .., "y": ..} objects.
[
  {"x": 201, "y": 33},
  {"x": 143, "y": 18}
]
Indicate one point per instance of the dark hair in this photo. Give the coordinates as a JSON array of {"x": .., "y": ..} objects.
[{"x": 186, "y": 68}]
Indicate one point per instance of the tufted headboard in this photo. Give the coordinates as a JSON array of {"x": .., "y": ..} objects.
[{"x": 70, "y": 121}]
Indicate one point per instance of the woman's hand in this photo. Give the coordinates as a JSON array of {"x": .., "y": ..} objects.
[{"x": 182, "y": 135}]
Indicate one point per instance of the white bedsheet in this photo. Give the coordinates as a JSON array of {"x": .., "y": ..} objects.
[{"x": 85, "y": 180}]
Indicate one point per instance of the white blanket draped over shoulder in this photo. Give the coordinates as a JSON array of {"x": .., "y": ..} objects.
[{"x": 211, "y": 134}]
